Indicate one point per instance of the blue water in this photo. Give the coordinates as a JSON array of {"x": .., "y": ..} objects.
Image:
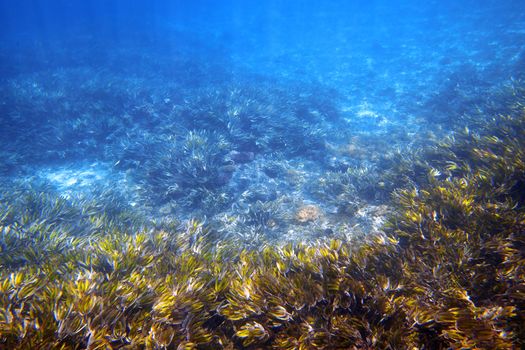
[{"x": 244, "y": 113}]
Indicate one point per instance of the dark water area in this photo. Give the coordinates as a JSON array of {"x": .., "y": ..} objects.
[{"x": 273, "y": 143}]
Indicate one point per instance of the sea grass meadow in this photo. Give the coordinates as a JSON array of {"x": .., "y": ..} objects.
[{"x": 242, "y": 174}]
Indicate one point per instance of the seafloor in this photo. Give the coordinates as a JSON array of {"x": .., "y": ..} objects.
[
  {"x": 306, "y": 142},
  {"x": 310, "y": 144}
]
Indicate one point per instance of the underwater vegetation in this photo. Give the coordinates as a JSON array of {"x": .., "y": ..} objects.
[
  {"x": 447, "y": 272},
  {"x": 188, "y": 170},
  {"x": 189, "y": 137}
]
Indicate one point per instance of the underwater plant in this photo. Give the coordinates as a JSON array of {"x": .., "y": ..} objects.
[
  {"x": 447, "y": 272},
  {"x": 190, "y": 170}
]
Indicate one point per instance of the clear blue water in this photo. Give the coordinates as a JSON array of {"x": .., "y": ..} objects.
[{"x": 243, "y": 113}]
